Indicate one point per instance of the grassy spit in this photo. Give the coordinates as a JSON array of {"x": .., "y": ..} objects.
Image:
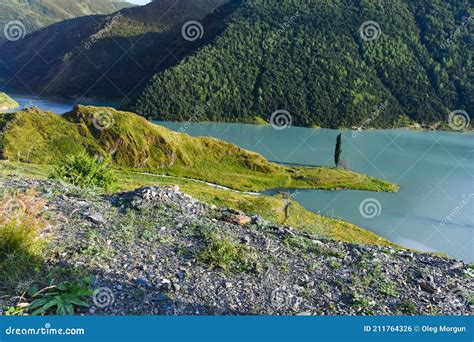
[{"x": 133, "y": 143}]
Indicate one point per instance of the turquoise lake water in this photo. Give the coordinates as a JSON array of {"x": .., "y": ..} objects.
[{"x": 434, "y": 209}]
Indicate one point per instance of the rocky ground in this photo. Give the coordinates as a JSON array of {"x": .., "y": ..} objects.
[{"x": 159, "y": 251}]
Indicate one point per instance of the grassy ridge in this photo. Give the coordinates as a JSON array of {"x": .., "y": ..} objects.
[
  {"x": 33, "y": 141},
  {"x": 133, "y": 143}
]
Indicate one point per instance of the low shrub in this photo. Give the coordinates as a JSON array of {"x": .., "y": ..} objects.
[
  {"x": 85, "y": 171},
  {"x": 407, "y": 307}
]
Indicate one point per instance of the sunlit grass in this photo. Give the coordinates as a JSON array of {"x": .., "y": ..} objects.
[{"x": 20, "y": 243}]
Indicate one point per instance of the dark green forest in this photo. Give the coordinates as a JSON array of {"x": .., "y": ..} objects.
[{"x": 310, "y": 58}]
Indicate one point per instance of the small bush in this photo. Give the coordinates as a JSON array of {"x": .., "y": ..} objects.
[
  {"x": 226, "y": 254},
  {"x": 85, "y": 171},
  {"x": 362, "y": 303},
  {"x": 20, "y": 242}
]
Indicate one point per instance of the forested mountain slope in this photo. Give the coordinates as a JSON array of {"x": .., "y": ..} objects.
[{"x": 327, "y": 64}]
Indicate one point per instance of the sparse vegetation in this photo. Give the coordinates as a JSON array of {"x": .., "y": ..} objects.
[
  {"x": 334, "y": 264},
  {"x": 268, "y": 207},
  {"x": 160, "y": 238},
  {"x": 388, "y": 289},
  {"x": 407, "y": 307},
  {"x": 309, "y": 246},
  {"x": 361, "y": 302},
  {"x": 222, "y": 252}
]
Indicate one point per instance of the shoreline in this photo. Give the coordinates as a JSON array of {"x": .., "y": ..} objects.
[
  {"x": 116, "y": 105},
  {"x": 343, "y": 129}
]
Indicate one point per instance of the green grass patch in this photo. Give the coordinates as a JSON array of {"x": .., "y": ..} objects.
[
  {"x": 21, "y": 247},
  {"x": 7, "y": 103},
  {"x": 258, "y": 120},
  {"x": 362, "y": 303},
  {"x": 308, "y": 246},
  {"x": 61, "y": 300},
  {"x": 407, "y": 307},
  {"x": 223, "y": 253}
]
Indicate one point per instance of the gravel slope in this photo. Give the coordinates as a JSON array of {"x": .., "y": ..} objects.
[{"x": 146, "y": 252}]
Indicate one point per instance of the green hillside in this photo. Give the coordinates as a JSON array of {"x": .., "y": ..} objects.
[
  {"x": 36, "y": 14},
  {"x": 7, "y": 103},
  {"x": 311, "y": 59},
  {"x": 105, "y": 56},
  {"x": 133, "y": 143}
]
